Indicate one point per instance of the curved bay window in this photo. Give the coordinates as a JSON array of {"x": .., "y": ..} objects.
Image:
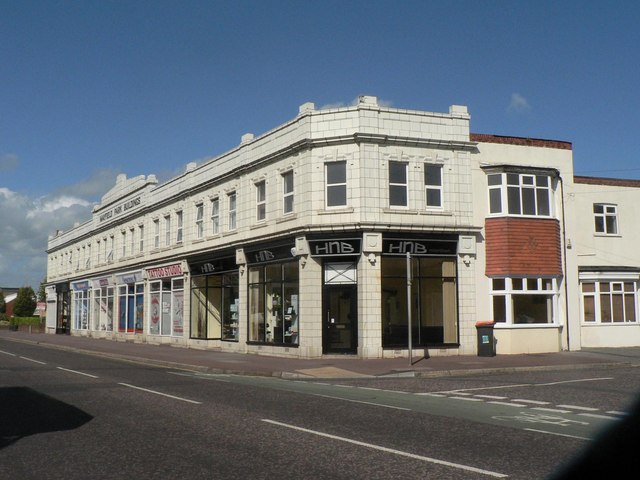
[
  {"x": 434, "y": 311},
  {"x": 521, "y": 301},
  {"x": 273, "y": 303},
  {"x": 215, "y": 302}
]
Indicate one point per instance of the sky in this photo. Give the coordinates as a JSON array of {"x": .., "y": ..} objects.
[{"x": 90, "y": 89}]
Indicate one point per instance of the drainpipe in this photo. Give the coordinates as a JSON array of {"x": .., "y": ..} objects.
[{"x": 564, "y": 261}]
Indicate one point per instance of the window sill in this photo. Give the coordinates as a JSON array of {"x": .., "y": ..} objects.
[
  {"x": 287, "y": 218},
  {"x": 262, "y": 224},
  {"x": 400, "y": 210},
  {"x": 609, "y": 324},
  {"x": 607, "y": 235},
  {"x": 229, "y": 233},
  {"x": 336, "y": 211},
  {"x": 437, "y": 212},
  {"x": 518, "y": 326}
]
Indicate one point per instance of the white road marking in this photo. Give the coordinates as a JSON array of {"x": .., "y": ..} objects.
[
  {"x": 468, "y": 399},
  {"x": 572, "y": 381},
  {"x": 32, "y": 360},
  {"x": 8, "y": 353},
  {"x": 160, "y": 393},
  {"x": 77, "y": 372},
  {"x": 595, "y": 415},
  {"x": 577, "y": 407},
  {"x": 615, "y": 412},
  {"x": 552, "y": 410},
  {"x": 509, "y": 404},
  {"x": 533, "y": 402},
  {"x": 361, "y": 401},
  {"x": 492, "y": 397},
  {"x": 388, "y": 450},
  {"x": 554, "y": 433}
]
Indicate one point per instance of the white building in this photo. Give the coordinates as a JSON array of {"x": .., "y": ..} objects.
[{"x": 295, "y": 243}]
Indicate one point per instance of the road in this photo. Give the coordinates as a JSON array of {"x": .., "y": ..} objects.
[{"x": 69, "y": 415}]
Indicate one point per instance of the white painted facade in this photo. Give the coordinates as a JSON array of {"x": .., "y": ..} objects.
[{"x": 293, "y": 243}]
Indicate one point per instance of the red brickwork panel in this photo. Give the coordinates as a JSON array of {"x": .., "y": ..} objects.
[{"x": 523, "y": 246}]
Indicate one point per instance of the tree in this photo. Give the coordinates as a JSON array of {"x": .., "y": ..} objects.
[
  {"x": 3, "y": 305},
  {"x": 25, "y": 302}
]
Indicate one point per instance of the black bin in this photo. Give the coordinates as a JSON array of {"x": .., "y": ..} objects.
[{"x": 486, "y": 341}]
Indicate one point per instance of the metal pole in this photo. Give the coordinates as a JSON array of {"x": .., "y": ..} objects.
[{"x": 409, "y": 306}]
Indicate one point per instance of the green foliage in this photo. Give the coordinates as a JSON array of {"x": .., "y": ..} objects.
[
  {"x": 42, "y": 294},
  {"x": 25, "y": 302},
  {"x": 3, "y": 305},
  {"x": 34, "y": 321}
]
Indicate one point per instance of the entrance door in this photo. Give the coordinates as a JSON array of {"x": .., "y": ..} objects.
[
  {"x": 63, "y": 320},
  {"x": 340, "y": 322}
]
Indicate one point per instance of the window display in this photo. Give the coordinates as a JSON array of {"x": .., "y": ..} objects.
[{"x": 215, "y": 311}]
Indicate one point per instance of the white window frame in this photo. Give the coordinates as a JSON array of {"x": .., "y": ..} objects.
[
  {"x": 141, "y": 239},
  {"x": 215, "y": 215},
  {"x": 261, "y": 201},
  {"x": 616, "y": 287},
  {"x": 524, "y": 286},
  {"x": 132, "y": 234},
  {"x": 124, "y": 243},
  {"x": 167, "y": 230},
  {"x": 179, "y": 226},
  {"x": 232, "y": 199},
  {"x": 199, "y": 220},
  {"x": 430, "y": 187},
  {"x": 156, "y": 233},
  {"x": 335, "y": 186},
  {"x": 609, "y": 213},
  {"x": 399, "y": 185},
  {"x": 288, "y": 194},
  {"x": 527, "y": 184}
]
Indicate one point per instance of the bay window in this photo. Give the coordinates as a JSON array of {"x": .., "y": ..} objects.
[{"x": 520, "y": 301}]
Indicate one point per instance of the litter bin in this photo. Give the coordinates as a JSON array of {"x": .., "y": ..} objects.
[{"x": 486, "y": 342}]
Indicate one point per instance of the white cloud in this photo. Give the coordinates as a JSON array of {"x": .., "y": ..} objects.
[{"x": 518, "y": 104}]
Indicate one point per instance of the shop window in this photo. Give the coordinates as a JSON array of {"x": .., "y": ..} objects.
[
  {"x": 336, "y": 184},
  {"x": 520, "y": 301},
  {"x": 398, "y": 184},
  {"x": 433, "y": 185},
  {"x": 434, "y": 302},
  {"x": 519, "y": 194},
  {"x": 606, "y": 218},
  {"x": 287, "y": 194},
  {"x": 215, "y": 304},
  {"x": 215, "y": 216},
  {"x": 103, "y": 302},
  {"x": 273, "y": 303},
  {"x": 609, "y": 301},
  {"x": 81, "y": 309},
  {"x": 130, "y": 308},
  {"x": 167, "y": 307},
  {"x": 261, "y": 201},
  {"x": 199, "y": 220}
]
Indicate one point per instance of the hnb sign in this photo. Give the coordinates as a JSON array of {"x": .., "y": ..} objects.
[
  {"x": 418, "y": 247},
  {"x": 323, "y": 248}
]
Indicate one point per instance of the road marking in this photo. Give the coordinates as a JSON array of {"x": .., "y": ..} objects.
[
  {"x": 572, "y": 381},
  {"x": 160, "y": 393},
  {"x": 552, "y": 410},
  {"x": 533, "y": 402},
  {"x": 468, "y": 399},
  {"x": 554, "y": 433},
  {"x": 576, "y": 407},
  {"x": 361, "y": 401},
  {"x": 77, "y": 372},
  {"x": 509, "y": 404},
  {"x": 615, "y": 412},
  {"x": 8, "y": 353},
  {"x": 539, "y": 418},
  {"x": 388, "y": 450},
  {"x": 460, "y": 392},
  {"x": 492, "y": 397},
  {"x": 595, "y": 415},
  {"x": 32, "y": 360}
]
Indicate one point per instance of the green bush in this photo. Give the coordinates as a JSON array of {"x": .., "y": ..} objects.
[{"x": 35, "y": 321}]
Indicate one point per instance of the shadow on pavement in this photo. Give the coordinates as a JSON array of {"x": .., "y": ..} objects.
[{"x": 25, "y": 412}]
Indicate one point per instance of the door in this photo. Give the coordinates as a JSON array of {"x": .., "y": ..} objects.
[{"x": 340, "y": 322}]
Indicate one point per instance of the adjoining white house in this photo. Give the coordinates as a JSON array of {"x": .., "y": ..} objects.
[{"x": 296, "y": 243}]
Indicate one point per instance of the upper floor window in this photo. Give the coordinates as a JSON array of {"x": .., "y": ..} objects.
[
  {"x": 287, "y": 193},
  {"x": 433, "y": 185},
  {"x": 132, "y": 239},
  {"x": 167, "y": 230},
  {"x": 179, "y": 226},
  {"x": 336, "y": 184},
  {"x": 398, "y": 184},
  {"x": 141, "y": 238},
  {"x": 261, "y": 201},
  {"x": 156, "y": 233},
  {"x": 519, "y": 194},
  {"x": 606, "y": 218},
  {"x": 124, "y": 243},
  {"x": 98, "y": 252},
  {"x": 231, "y": 197},
  {"x": 215, "y": 216},
  {"x": 199, "y": 220}
]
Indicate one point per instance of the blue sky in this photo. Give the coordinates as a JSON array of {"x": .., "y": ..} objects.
[{"x": 93, "y": 88}]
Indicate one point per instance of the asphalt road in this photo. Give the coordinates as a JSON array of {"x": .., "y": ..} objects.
[{"x": 68, "y": 415}]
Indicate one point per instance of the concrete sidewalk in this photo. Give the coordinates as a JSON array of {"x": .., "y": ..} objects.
[{"x": 216, "y": 361}]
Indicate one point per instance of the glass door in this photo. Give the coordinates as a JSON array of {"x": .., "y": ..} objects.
[{"x": 340, "y": 333}]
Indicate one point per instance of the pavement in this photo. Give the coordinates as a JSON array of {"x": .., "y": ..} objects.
[{"x": 328, "y": 367}]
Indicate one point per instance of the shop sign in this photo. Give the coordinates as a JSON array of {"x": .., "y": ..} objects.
[
  {"x": 399, "y": 246},
  {"x": 335, "y": 247},
  {"x": 163, "y": 272},
  {"x": 78, "y": 286},
  {"x": 120, "y": 209},
  {"x": 129, "y": 278},
  {"x": 101, "y": 282},
  {"x": 269, "y": 254},
  {"x": 213, "y": 266}
]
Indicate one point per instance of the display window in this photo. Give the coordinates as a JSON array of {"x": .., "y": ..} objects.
[
  {"x": 103, "y": 302},
  {"x": 81, "y": 309},
  {"x": 215, "y": 306},
  {"x": 167, "y": 307},
  {"x": 131, "y": 308},
  {"x": 273, "y": 303}
]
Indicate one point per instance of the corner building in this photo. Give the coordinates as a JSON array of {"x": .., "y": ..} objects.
[{"x": 298, "y": 243}]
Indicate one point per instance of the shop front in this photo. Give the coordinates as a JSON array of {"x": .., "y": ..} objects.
[
  {"x": 130, "y": 291},
  {"x": 273, "y": 288},
  {"x": 80, "y": 305},
  {"x": 339, "y": 256},
  {"x": 215, "y": 298},
  {"x": 426, "y": 265},
  {"x": 166, "y": 299},
  {"x": 103, "y": 292},
  {"x": 63, "y": 302}
]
